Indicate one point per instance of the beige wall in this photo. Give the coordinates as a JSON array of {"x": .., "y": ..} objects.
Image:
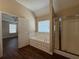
[
  {"x": 11, "y": 6},
  {"x": 71, "y": 11},
  {"x": 66, "y": 7},
  {"x": 63, "y": 4}
]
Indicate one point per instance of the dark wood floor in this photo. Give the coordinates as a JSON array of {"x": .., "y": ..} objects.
[{"x": 12, "y": 52}]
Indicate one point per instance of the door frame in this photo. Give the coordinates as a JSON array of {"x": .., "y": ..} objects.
[{"x": 3, "y": 12}]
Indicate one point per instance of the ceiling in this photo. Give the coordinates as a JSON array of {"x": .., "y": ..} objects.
[
  {"x": 36, "y": 6},
  {"x": 63, "y": 4},
  {"x": 40, "y": 7}
]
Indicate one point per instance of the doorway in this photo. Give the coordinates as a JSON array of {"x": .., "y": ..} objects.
[{"x": 9, "y": 35}]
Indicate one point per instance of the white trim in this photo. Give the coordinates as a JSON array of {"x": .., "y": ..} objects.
[
  {"x": 8, "y": 13},
  {"x": 66, "y": 54},
  {"x": 3, "y": 12},
  {"x": 1, "y": 46}
]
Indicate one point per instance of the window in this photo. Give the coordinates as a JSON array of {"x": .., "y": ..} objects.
[
  {"x": 12, "y": 28},
  {"x": 44, "y": 26}
]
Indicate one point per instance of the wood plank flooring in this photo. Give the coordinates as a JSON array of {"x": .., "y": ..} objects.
[{"x": 12, "y": 52}]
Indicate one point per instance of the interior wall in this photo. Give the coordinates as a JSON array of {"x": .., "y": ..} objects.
[
  {"x": 11, "y": 6},
  {"x": 66, "y": 7},
  {"x": 74, "y": 10},
  {"x": 64, "y": 4}
]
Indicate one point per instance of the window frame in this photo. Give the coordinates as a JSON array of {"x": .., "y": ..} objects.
[
  {"x": 37, "y": 22},
  {"x": 9, "y": 28}
]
